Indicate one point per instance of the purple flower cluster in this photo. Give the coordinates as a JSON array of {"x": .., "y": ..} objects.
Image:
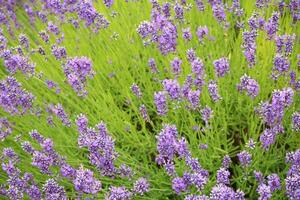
[
  {"x": 201, "y": 33},
  {"x": 271, "y": 26},
  {"x": 249, "y": 47},
  {"x": 152, "y": 65},
  {"x": 169, "y": 146},
  {"x": 172, "y": 87},
  {"x": 296, "y": 121},
  {"x": 281, "y": 65},
  {"x": 53, "y": 191},
  {"x": 101, "y": 147},
  {"x": 77, "y": 70},
  {"x": 221, "y": 66},
  {"x": 13, "y": 98},
  {"x": 160, "y": 29},
  {"x": 176, "y": 66},
  {"x": 59, "y": 111},
  {"x": 213, "y": 91},
  {"x": 5, "y": 128},
  {"x": 160, "y": 101},
  {"x": 284, "y": 44},
  {"x": 292, "y": 181},
  {"x": 245, "y": 158},
  {"x": 59, "y": 52},
  {"x": 17, "y": 185},
  {"x": 249, "y": 85},
  {"x": 136, "y": 90},
  {"x": 85, "y": 182},
  {"x": 13, "y": 63}
]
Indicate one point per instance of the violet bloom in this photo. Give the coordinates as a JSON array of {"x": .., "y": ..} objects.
[
  {"x": 249, "y": 85},
  {"x": 221, "y": 191},
  {"x": 213, "y": 91},
  {"x": 85, "y": 182},
  {"x": 141, "y": 186},
  {"x": 284, "y": 44},
  {"x": 5, "y": 128},
  {"x": 191, "y": 55},
  {"x": 281, "y": 64},
  {"x": 136, "y": 90},
  {"x": 221, "y": 66},
  {"x": 178, "y": 185},
  {"x": 200, "y": 5},
  {"x": 101, "y": 154},
  {"x": 52, "y": 28},
  {"x": 24, "y": 41},
  {"x": 272, "y": 25},
  {"x": 77, "y": 70},
  {"x": 53, "y": 191},
  {"x": 176, "y": 66},
  {"x": 144, "y": 113},
  {"x": 198, "y": 67},
  {"x": 108, "y": 3},
  {"x": 13, "y": 63},
  {"x": 226, "y": 161},
  {"x": 264, "y": 192},
  {"x": 118, "y": 193},
  {"x": 296, "y": 121},
  {"x": 194, "y": 98},
  {"x": 274, "y": 182},
  {"x": 13, "y": 98},
  {"x": 178, "y": 9},
  {"x": 201, "y": 32},
  {"x": 223, "y": 176},
  {"x": 249, "y": 47},
  {"x": 59, "y": 52},
  {"x": 172, "y": 87},
  {"x": 59, "y": 111},
  {"x": 152, "y": 65},
  {"x": 245, "y": 158},
  {"x": 206, "y": 114},
  {"x": 267, "y": 138},
  {"x": 292, "y": 181},
  {"x": 219, "y": 12},
  {"x": 160, "y": 101},
  {"x": 186, "y": 34}
]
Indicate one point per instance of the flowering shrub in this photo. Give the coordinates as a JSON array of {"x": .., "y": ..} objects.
[{"x": 119, "y": 100}]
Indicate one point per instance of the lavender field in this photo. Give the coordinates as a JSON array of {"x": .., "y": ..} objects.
[{"x": 157, "y": 100}]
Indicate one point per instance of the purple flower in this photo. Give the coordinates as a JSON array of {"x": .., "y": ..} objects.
[
  {"x": 198, "y": 67},
  {"x": 249, "y": 47},
  {"x": 245, "y": 158},
  {"x": 226, "y": 161},
  {"x": 191, "y": 55},
  {"x": 201, "y": 32},
  {"x": 118, "y": 193},
  {"x": 144, "y": 113},
  {"x": 194, "y": 98},
  {"x": 219, "y": 12},
  {"x": 5, "y": 128},
  {"x": 281, "y": 64},
  {"x": 176, "y": 65},
  {"x": 284, "y": 44},
  {"x": 178, "y": 185},
  {"x": 178, "y": 9},
  {"x": 249, "y": 85},
  {"x": 59, "y": 111},
  {"x": 13, "y": 98},
  {"x": 136, "y": 90},
  {"x": 213, "y": 91},
  {"x": 200, "y": 5},
  {"x": 85, "y": 182},
  {"x": 221, "y": 191},
  {"x": 206, "y": 114},
  {"x": 295, "y": 121},
  {"x": 258, "y": 176},
  {"x": 152, "y": 65},
  {"x": 223, "y": 176},
  {"x": 274, "y": 182},
  {"x": 264, "y": 192},
  {"x": 52, "y": 28},
  {"x": 160, "y": 101},
  {"x": 108, "y": 3},
  {"x": 59, "y": 52},
  {"x": 77, "y": 70},
  {"x": 13, "y": 63},
  {"x": 221, "y": 66},
  {"x": 272, "y": 25},
  {"x": 53, "y": 191},
  {"x": 23, "y": 40},
  {"x": 141, "y": 186},
  {"x": 186, "y": 34}
]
